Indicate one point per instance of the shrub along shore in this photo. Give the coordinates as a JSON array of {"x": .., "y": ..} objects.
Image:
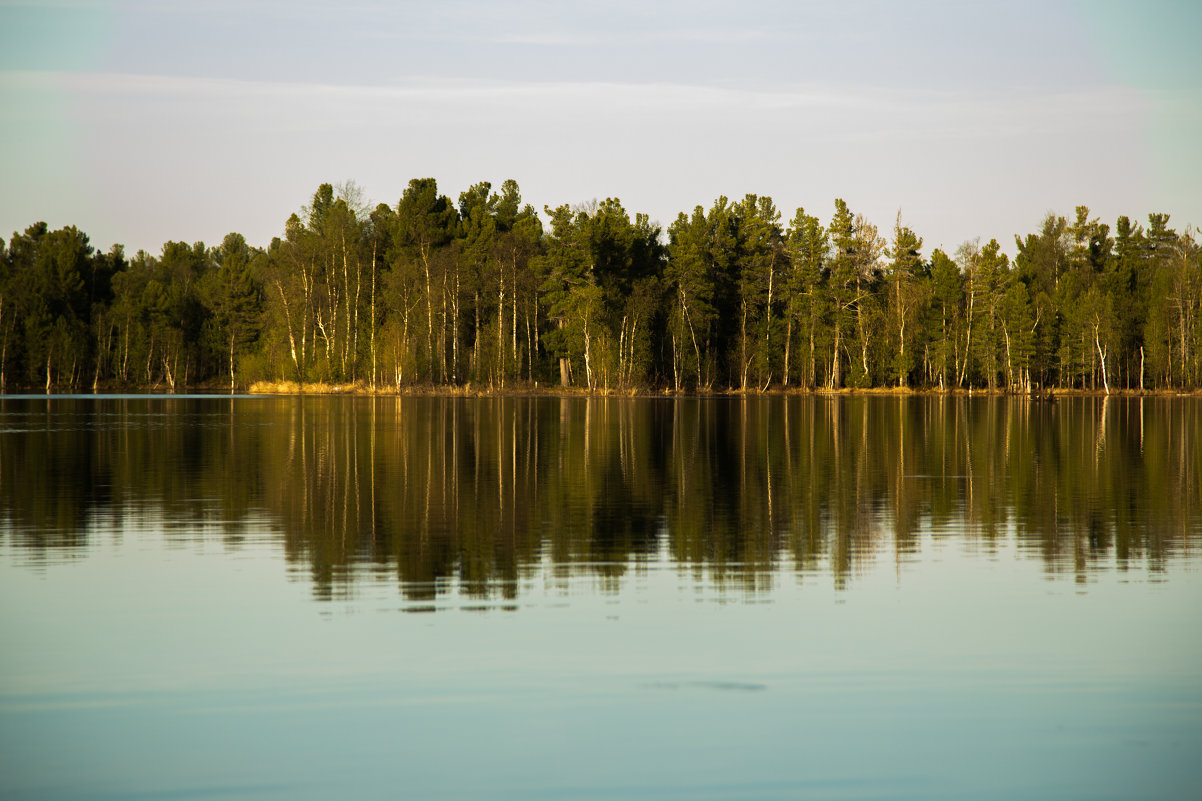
[{"x": 486, "y": 296}]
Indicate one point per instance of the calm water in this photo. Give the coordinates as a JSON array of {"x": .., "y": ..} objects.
[{"x": 847, "y": 598}]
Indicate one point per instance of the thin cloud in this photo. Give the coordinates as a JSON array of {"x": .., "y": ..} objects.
[
  {"x": 436, "y": 89},
  {"x": 1011, "y": 110},
  {"x": 582, "y": 38}
]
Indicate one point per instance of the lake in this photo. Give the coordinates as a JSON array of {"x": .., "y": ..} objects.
[{"x": 542, "y": 598}]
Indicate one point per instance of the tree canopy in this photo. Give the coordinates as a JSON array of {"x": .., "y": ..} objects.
[{"x": 487, "y": 292}]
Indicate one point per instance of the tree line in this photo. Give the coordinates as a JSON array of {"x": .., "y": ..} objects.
[{"x": 483, "y": 292}]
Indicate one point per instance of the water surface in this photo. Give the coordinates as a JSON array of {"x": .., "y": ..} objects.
[{"x": 543, "y": 598}]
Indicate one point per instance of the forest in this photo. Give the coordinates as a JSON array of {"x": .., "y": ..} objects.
[{"x": 484, "y": 294}]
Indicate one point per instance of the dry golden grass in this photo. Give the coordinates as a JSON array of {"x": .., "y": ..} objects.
[
  {"x": 534, "y": 390},
  {"x": 308, "y": 388}
]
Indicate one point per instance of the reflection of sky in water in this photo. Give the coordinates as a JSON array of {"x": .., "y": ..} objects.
[{"x": 173, "y": 668}]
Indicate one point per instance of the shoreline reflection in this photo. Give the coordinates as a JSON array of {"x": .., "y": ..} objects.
[{"x": 483, "y": 494}]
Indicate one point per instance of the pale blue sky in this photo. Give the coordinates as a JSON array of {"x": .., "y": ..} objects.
[{"x": 145, "y": 121}]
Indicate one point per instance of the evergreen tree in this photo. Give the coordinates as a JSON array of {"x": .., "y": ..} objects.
[
  {"x": 807, "y": 304},
  {"x": 693, "y": 284},
  {"x": 945, "y": 319},
  {"x": 572, "y": 295},
  {"x": 1040, "y": 261},
  {"x": 905, "y": 298},
  {"x": 234, "y": 299},
  {"x": 760, "y": 258},
  {"x": 425, "y": 221}
]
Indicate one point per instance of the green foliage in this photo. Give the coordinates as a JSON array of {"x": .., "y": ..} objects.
[
  {"x": 807, "y": 303},
  {"x": 906, "y": 298},
  {"x": 577, "y": 254},
  {"x": 425, "y": 222},
  {"x": 432, "y": 291},
  {"x": 235, "y": 300},
  {"x": 759, "y": 262},
  {"x": 692, "y": 276},
  {"x": 945, "y": 319}
]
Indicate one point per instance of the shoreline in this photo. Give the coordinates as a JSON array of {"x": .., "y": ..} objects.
[
  {"x": 523, "y": 390},
  {"x": 468, "y": 391},
  {"x": 293, "y": 388}
]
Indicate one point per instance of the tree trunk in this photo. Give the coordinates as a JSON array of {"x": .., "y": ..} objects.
[
  {"x": 834, "y": 378},
  {"x": 529, "y": 351},
  {"x": 744, "y": 361},
  {"x": 354, "y": 320},
  {"x": 768, "y": 328},
  {"x": 1009, "y": 363},
  {"x": 1102, "y": 356},
  {"x": 967, "y": 338},
  {"x": 622, "y": 352},
  {"x": 862, "y": 328},
  {"x": 442, "y": 343},
  {"x": 675, "y": 364},
  {"x": 813, "y": 351},
  {"x": 788, "y": 343},
  {"x": 696, "y": 348},
  {"x": 455, "y": 329},
  {"x": 373, "y": 316},
  {"x": 475, "y": 358},
  {"x": 346, "y": 291},
  {"x": 588, "y": 362},
  {"x": 513, "y": 291},
  {"x": 501, "y": 329},
  {"x": 429, "y": 310},
  {"x": 291, "y": 335}
]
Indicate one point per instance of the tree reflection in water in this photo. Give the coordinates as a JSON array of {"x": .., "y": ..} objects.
[{"x": 475, "y": 495}]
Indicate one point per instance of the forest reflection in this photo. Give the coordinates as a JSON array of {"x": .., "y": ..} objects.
[{"x": 474, "y": 495}]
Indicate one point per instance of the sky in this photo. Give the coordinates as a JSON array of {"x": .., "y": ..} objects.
[{"x": 142, "y": 121}]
